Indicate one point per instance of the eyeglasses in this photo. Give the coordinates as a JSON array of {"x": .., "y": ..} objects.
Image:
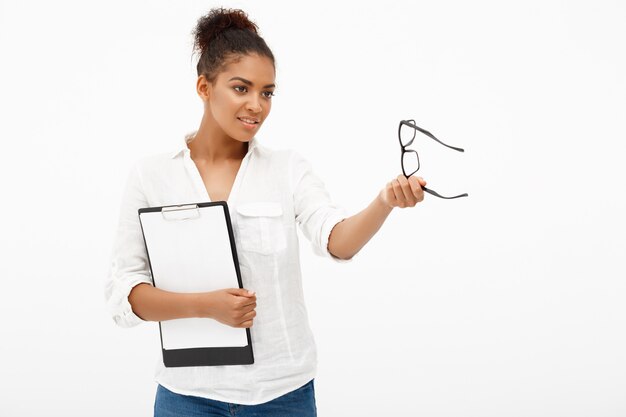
[{"x": 410, "y": 159}]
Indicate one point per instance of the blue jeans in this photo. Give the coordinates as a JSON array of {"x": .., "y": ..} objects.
[{"x": 298, "y": 403}]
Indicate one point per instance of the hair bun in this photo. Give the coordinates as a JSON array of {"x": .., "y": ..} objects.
[{"x": 217, "y": 21}]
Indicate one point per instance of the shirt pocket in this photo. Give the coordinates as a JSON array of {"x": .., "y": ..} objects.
[{"x": 261, "y": 228}]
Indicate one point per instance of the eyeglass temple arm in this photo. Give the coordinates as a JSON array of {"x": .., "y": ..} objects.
[
  {"x": 436, "y": 194},
  {"x": 430, "y": 135}
]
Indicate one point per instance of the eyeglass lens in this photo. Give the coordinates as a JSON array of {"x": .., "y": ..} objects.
[
  {"x": 410, "y": 162},
  {"x": 407, "y": 134}
]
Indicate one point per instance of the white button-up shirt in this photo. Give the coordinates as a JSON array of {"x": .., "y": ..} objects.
[{"x": 273, "y": 190}]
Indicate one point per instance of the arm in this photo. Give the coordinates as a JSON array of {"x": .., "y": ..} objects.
[
  {"x": 349, "y": 236},
  {"x": 234, "y": 306}
]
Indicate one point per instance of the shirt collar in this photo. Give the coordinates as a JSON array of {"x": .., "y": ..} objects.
[{"x": 189, "y": 137}]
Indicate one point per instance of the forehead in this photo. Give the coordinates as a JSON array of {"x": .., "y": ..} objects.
[{"x": 256, "y": 68}]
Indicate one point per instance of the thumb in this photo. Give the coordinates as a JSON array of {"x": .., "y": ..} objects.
[
  {"x": 421, "y": 181},
  {"x": 242, "y": 292}
]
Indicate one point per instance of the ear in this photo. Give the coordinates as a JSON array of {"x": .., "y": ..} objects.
[{"x": 203, "y": 88}]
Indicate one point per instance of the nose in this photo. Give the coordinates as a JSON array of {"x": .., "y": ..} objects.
[{"x": 254, "y": 105}]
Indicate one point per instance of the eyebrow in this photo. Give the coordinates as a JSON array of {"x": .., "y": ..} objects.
[{"x": 248, "y": 82}]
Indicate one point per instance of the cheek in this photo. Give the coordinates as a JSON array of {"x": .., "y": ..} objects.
[
  {"x": 224, "y": 107},
  {"x": 222, "y": 101}
]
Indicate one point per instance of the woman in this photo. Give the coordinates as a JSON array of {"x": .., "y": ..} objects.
[{"x": 268, "y": 193}]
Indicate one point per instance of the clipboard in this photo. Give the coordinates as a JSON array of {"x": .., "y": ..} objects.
[{"x": 191, "y": 248}]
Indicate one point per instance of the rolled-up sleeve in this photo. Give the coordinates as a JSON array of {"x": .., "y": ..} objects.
[
  {"x": 315, "y": 212},
  {"x": 129, "y": 261}
]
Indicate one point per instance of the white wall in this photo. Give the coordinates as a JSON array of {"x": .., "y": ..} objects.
[{"x": 509, "y": 303}]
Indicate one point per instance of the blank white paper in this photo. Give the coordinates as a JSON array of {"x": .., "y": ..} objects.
[{"x": 192, "y": 253}]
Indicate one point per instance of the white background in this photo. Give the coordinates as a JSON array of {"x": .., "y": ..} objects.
[{"x": 508, "y": 303}]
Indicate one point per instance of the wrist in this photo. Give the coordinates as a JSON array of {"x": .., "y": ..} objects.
[
  {"x": 196, "y": 306},
  {"x": 381, "y": 203}
]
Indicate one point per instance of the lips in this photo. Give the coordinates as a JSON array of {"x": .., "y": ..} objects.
[
  {"x": 249, "y": 120},
  {"x": 249, "y": 123}
]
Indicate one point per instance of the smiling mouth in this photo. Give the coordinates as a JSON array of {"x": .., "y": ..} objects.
[{"x": 248, "y": 121}]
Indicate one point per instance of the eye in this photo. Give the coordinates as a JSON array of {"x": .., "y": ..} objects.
[
  {"x": 268, "y": 94},
  {"x": 240, "y": 89}
]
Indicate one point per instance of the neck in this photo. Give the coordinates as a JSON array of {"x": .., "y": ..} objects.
[{"x": 212, "y": 145}]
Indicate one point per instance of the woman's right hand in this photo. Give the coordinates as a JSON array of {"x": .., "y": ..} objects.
[{"x": 232, "y": 306}]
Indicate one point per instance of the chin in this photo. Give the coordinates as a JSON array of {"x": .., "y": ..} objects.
[
  {"x": 243, "y": 139},
  {"x": 244, "y": 136}
]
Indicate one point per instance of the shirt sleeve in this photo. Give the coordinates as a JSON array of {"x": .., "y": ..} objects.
[
  {"x": 129, "y": 261},
  {"x": 315, "y": 213}
]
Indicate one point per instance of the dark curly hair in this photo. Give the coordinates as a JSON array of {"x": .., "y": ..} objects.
[{"x": 222, "y": 36}]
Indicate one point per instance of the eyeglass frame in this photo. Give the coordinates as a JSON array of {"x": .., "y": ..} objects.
[{"x": 403, "y": 150}]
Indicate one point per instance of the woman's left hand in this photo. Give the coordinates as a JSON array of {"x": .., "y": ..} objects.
[{"x": 402, "y": 192}]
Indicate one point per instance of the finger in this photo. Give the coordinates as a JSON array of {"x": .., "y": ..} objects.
[
  {"x": 422, "y": 181},
  {"x": 416, "y": 188},
  {"x": 248, "y": 316},
  {"x": 247, "y": 309},
  {"x": 249, "y": 304},
  {"x": 245, "y": 303},
  {"x": 246, "y": 324},
  {"x": 398, "y": 194},
  {"x": 237, "y": 291},
  {"x": 406, "y": 190},
  {"x": 241, "y": 292}
]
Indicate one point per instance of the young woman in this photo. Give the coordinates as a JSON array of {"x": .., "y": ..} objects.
[{"x": 268, "y": 193}]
